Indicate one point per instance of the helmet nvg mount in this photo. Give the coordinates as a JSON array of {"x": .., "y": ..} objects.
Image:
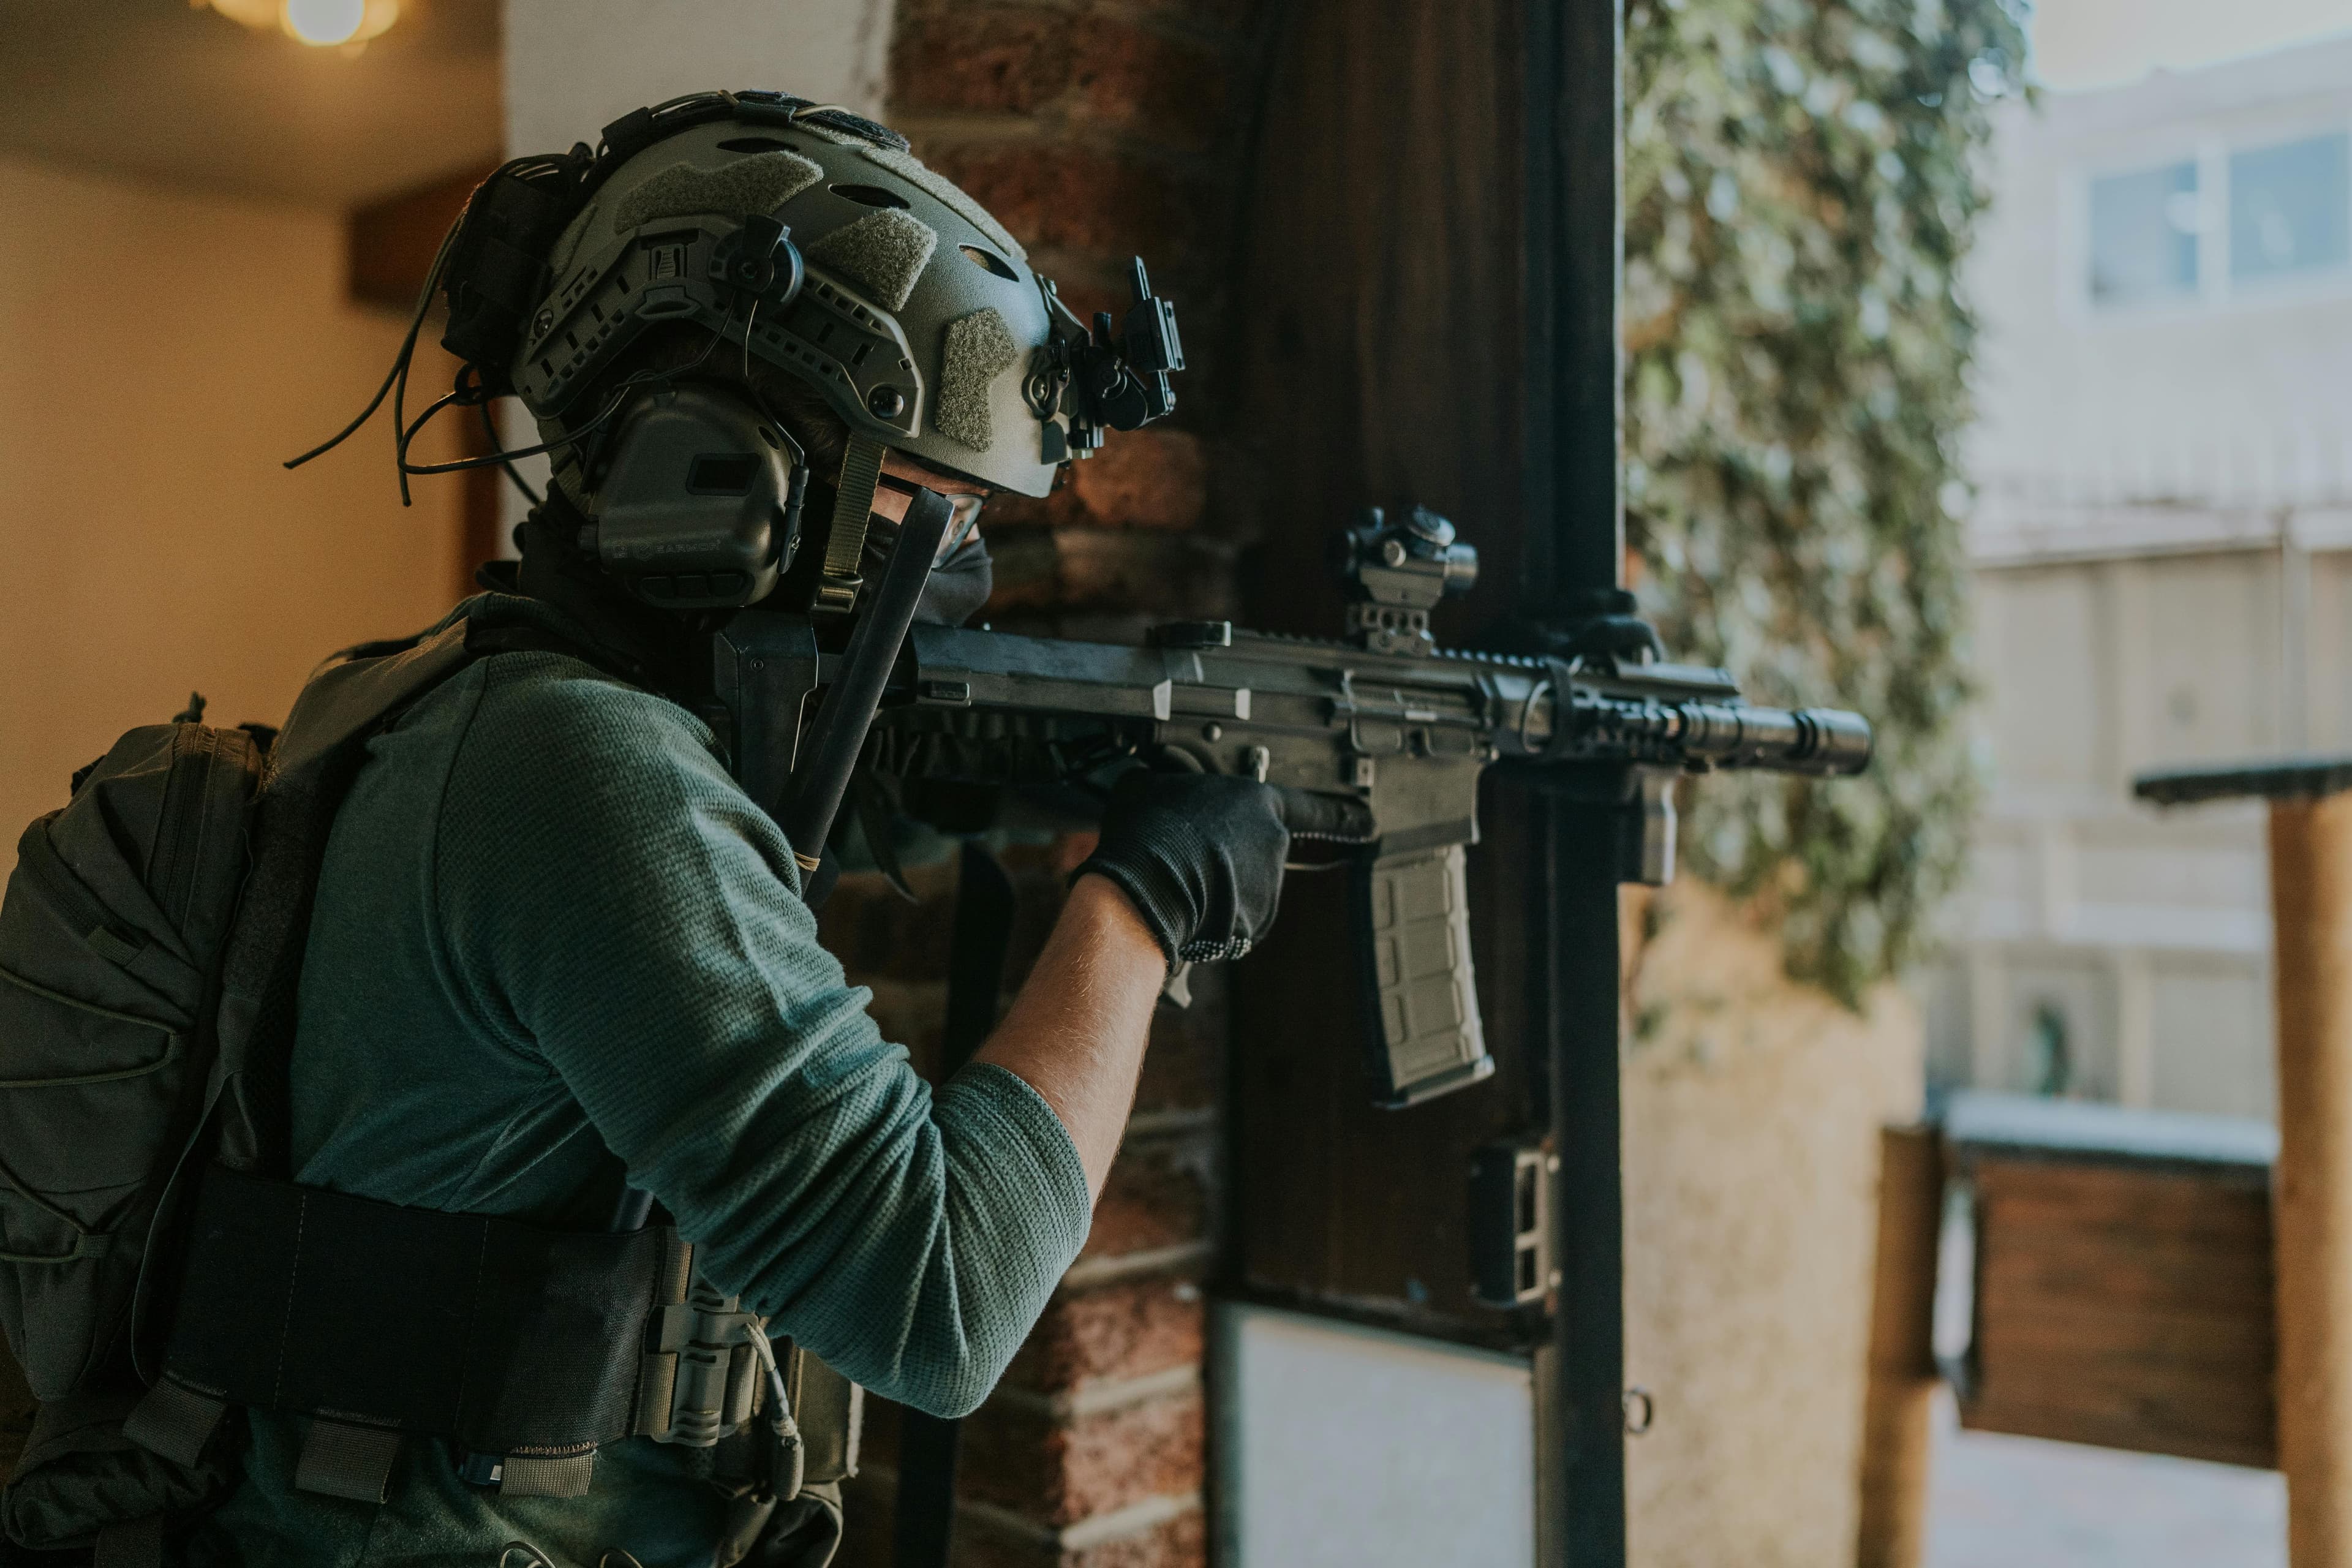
[{"x": 814, "y": 240}]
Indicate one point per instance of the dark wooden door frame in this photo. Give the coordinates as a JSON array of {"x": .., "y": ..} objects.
[
  {"x": 1575, "y": 562},
  {"x": 1426, "y": 304}
]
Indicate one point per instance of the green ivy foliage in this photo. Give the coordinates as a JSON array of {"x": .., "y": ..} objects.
[{"x": 1802, "y": 184}]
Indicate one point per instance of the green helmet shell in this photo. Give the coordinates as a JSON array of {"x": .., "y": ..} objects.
[{"x": 918, "y": 318}]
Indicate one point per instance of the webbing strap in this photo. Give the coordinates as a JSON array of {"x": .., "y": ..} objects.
[
  {"x": 527, "y": 1475},
  {"x": 853, "y": 505},
  {"x": 527, "y": 1347},
  {"x": 346, "y": 1461},
  {"x": 137, "y": 1544},
  {"x": 174, "y": 1421},
  {"x": 507, "y": 1337}
]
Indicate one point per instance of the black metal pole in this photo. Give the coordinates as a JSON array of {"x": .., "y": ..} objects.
[{"x": 1576, "y": 566}]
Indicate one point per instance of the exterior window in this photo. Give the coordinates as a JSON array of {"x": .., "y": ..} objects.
[
  {"x": 2290, "y": 209},
  {"x": 2143, "y": 236}
]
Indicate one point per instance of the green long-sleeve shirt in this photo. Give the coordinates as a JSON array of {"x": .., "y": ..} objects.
[{"x": 549, "y": 925}]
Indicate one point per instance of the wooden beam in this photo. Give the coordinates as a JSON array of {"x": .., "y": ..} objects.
[
  {"x": 2311, "y": 916},
  {"x": 1902, "y": 1385},
  {"x": 390, "y": 243}
]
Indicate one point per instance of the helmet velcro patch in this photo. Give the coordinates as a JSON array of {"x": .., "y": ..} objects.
[
  {"x": 978, "y": 348},
  {"x": 882, "y": 253},
  {"x": 915, "y": 172},
  {"x": 760, "y": 183}
]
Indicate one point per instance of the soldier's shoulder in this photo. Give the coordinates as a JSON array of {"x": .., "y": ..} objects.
[{"x": 550, "y": 705}]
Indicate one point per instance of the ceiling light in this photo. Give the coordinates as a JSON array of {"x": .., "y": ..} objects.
[{"x": 325, "y": 23}]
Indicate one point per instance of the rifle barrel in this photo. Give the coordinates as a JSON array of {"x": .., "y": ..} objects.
[{"x": 1826, "y": 742}]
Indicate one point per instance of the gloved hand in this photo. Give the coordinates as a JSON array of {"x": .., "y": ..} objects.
[{"x": 1199, "y": 854}]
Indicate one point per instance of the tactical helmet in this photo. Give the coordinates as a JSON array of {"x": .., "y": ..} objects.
[
  {"x": 807, "y": 237},
  {"x": 917, "y": 316}
]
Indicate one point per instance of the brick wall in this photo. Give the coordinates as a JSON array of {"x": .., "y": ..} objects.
[
  {"x": 1090, "y": 1453},
  {"x": 1098, "y": 129},
  {"x": 1095, "y": 129}
]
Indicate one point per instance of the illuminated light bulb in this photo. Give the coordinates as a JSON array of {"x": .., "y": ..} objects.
[
  {"x": 342, "y": 24},
  {"x": 325, "y": 22}
]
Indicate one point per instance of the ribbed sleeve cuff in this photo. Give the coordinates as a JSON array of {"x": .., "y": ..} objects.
[{"x": 1017, "y": 1147}]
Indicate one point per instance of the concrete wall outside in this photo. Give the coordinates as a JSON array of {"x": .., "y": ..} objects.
[
  {"x": 161, "y": 352},
  {"x": 2237, "y": 401},
  {"x": 1752, "y": 1110}
]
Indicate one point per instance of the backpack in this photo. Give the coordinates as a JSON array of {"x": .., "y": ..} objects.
[
  {"x": 151, "y": 952},
  {"x": 151, "y": 939}
]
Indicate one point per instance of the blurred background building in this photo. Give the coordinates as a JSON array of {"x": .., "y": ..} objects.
[{"x": 2162, "y": 542}]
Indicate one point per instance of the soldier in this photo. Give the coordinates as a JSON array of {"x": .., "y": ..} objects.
[{"x": 557, "y": 955}]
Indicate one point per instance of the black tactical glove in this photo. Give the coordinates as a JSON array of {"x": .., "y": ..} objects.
[{"x": 1200, "y": 856}]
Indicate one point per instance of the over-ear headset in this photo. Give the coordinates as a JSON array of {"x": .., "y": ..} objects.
[{"x": 700, "y": 504}]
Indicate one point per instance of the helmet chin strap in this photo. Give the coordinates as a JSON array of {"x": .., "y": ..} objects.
[{"x": 844, "y": 543}]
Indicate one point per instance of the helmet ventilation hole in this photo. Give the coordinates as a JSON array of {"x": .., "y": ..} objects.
[
  {"x": 988, "y": 260},
  {"x": 869, "y": 196}
]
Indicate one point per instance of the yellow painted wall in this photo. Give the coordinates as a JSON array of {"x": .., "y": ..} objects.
[{"x": 160, "y": 353}]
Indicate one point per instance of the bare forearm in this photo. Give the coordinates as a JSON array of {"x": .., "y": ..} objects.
[{"x": 1076, "y": 1031}]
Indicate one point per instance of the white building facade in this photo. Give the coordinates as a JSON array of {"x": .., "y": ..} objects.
[{"x": 2162, "y": 541}]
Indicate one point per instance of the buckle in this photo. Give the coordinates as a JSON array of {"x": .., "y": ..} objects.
[{"x": 713, "y": 1373}]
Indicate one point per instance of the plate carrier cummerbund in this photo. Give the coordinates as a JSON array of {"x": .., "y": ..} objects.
[{"x": 529, "y": 1346}]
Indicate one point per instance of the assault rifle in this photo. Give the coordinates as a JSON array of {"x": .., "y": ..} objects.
[{"x": 1379, "y": 740}]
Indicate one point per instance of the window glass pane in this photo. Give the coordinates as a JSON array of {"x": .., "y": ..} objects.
[
  {"x": 2143, "y": 235},
  {"x": 2290, "y": 207}
]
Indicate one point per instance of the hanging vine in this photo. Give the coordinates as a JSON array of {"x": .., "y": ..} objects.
[{"x": 1801, "y": 186}]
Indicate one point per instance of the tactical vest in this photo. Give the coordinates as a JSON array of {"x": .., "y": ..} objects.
[{"x": 157, "y": 1270}]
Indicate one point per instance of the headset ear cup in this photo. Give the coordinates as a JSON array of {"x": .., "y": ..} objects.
[{"x": 698, "y": 505}]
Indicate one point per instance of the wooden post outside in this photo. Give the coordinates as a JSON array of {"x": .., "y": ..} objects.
[
  {"x": 1902, "y": 1384},
  {"x": 2311, "y": 906}
]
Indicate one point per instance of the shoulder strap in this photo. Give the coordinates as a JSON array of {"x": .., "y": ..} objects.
[
  {"x": 309, "y": 771},
  {"x": 487, "y": 637},
  {"x": 347, "y": 699}
]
